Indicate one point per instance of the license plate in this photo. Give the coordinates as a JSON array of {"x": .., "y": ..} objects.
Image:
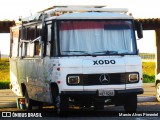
[{"x": 106, "y": 93}]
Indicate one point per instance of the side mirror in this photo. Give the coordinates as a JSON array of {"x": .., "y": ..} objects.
[{"x": 139, "y": 30}]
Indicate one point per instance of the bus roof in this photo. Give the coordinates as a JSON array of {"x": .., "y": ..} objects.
[{"x": 94, "y": 15}]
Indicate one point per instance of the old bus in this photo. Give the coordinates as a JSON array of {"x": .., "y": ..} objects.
[{"x": 84, "y": 57}]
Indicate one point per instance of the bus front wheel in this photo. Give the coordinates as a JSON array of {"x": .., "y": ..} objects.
[
  {"x": 61, "y": 104},
  {"x": 130, "y": 103}
]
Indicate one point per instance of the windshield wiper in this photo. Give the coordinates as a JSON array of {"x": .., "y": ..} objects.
[
  {"x": 106, "y": 52},
  {"x": 84, "y": 52},
  {"x": 75, "y": 51}
]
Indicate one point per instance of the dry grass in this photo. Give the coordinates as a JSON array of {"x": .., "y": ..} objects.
[
  {"x": 149, "y": 68},
  {"x": 148, "y": 72},
  {"x": 4, "y": 70}
]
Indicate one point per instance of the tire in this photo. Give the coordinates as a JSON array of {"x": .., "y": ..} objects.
[
  {"x": 54, "y": 93},
  {"x": 28, "y": 101},
  {"x": 158, "y": 92},
  {"x": 60, "y": 102},
  {"x": 61, "y": 105},
  {"x": 130, "y": 103},
  {"x": 40, "y": 105}
]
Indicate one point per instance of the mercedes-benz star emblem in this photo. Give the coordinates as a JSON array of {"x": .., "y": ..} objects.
[{"x": 104, "y": 79}]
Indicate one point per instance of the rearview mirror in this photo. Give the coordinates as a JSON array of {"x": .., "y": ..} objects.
[{"x": 139, "y": 30}]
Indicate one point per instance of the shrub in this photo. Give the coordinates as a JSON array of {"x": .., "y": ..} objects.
[
  {"x": 4, "y": 85},
  {"x": 148, "y": 78}
]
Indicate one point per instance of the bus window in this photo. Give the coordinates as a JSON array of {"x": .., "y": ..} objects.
[
  {"x": 24, "y": 49},
  {"x": 30, "y": 41},
  {"x": 37, "y": 48},
  {"x": 38, "y": 30},
  {"x": 14, "y": 42},
  {"x": 48, "y": 44},
  {"x": 54, "y": 43}
]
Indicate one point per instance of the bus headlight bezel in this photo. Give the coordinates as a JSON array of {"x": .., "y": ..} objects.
[
  {"x": 73, "y": 80},
  {"x": 133, "y": 77}
]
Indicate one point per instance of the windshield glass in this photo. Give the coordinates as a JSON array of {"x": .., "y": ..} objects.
[{"x": 92, "y": 37}]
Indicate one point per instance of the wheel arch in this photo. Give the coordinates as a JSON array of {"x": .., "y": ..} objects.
[
  {"x": 55, "y": 86},
  {"x": 157, "y": 81},
  {"x": 23, "y": 88},
  {"x": 54, "y": 90}
]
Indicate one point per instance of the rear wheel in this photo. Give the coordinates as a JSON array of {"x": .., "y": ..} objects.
[
  {"x": 130, "y": 103},
  {"x": 28, "y": 101},
  {"x": 158, "y": 92}
]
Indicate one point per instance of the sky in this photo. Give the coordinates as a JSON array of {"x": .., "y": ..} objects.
[{"x": 12, "y": 9}]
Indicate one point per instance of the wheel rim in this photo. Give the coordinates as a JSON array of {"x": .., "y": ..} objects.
[
  {"x": 26, "y": 100},
  {"x": 58, "y": 104}
]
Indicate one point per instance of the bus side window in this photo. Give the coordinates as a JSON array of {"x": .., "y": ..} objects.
[
  {"x": 37, "y": 49},
  {"x": 30, "y": 41},
  {"x": 24, "y": 42},
  {"x": 30, "y": 38},
  {"x": 48, "y": 42},
  {"x": 54, "y": 48},
  {"x": 20, "y": 44},
  {"x": 37, "y": 46},
  {"x": 14, "y": 43},
  {"x": 24, "y": 49}
]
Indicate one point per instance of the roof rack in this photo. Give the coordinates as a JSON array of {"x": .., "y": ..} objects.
[
  {"x": 86, "y": 9},
  {"x": 35, "y": 17},
  {"x": 73, "y": 6},
  {"x": 64, "y": 9}
]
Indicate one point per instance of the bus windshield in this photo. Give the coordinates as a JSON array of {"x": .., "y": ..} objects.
[{"x": 91, "y": 37}]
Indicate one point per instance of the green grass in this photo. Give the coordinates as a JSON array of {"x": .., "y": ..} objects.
[
  {"x": 4, "y": 73},
  {"x": 148, "y": 72},
  {"x": 4, "y": 85}
]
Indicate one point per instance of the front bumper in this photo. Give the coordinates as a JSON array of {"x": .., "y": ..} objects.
[
  {"x": 117, "y": 92},
  {"x": 82, "y": 97}
]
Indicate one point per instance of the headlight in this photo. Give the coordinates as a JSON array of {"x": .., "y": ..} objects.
[
  {"x": 133, "y": 77},
  {"x": 73, "y": 80}
]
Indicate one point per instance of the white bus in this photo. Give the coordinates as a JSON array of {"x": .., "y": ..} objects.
[{"x": 85, "y": 57}]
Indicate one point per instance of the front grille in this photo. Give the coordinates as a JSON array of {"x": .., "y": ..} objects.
[
  {"x": 94, "y": 79},
  {"x": 113, "y": 79}
]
